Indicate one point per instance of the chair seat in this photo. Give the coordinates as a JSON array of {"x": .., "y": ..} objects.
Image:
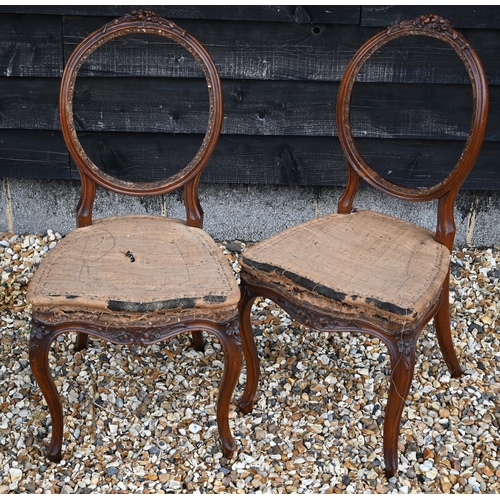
[
  {"x": 363, "y": 265},
  {"x": 147, "y": 268}
]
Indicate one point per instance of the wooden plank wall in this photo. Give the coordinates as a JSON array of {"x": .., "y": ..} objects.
[{"x": 141, "y": 102}]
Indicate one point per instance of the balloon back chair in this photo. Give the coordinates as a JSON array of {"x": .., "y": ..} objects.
[
  {"x": 136, "y": 279},
  {"x": 362, "y": 271}
]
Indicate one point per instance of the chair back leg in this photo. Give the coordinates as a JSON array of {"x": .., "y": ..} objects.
[
  {"x": 443, "y": 332},
  {"x": 82, "y": 340},
  {"x": 198, "y": 343},
  {"x": 245, "y": 404}
]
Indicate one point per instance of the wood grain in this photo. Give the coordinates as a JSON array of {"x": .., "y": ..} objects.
[
  {"x": 30, "y": 45},
  {"x": 280, "y": 160},
  {"x": 281, "y": 66},
  {"x": 461, "y": 16},
  {"x": 251, "y": 107},
  {"x": 33, "y": 154},
  {"x": 337, "y": 14},
  {"x": 316, "y": 161},
  {"x": 289, "y": 51}
]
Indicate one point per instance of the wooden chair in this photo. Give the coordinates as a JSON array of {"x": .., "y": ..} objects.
[
  {"x": 136, "y": 279},
  {"x": 362, "y": 271}
]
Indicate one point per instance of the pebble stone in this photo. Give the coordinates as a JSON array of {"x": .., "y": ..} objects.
[{"x": 143, "y": 420}]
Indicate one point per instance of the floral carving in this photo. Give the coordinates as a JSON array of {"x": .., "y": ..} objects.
[
  {"x": 124, "y": 335},
  {"x": 137, "y": 335},
  {"x": 406, "y": 346},
  {"x": 39, "y": 332},
  {"x": 233, "y": 329},
  {"x": 146, "y": 17},
  {"x": 431, "y": 23},
  {"x": 318, "y": 320}
]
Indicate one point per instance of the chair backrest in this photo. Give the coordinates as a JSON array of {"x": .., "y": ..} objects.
[
  {"x": 140, "y": 22},
  {"x": 446, "y": 190}
]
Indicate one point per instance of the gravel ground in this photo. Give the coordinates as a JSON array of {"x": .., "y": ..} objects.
[{"x": 143, "y": 419}]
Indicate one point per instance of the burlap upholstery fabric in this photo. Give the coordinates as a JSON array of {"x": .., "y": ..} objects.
[
  {"x": 135, "y": 266},
  {"x": 364, "y": 265}
]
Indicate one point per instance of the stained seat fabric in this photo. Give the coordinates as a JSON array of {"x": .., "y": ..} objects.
[
  {"x": 144, "y": 266},
  {"x": 373, "y": 266}
]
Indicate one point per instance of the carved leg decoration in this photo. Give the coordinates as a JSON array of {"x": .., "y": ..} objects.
[
  {"x": 39, "y": 345},
  {"x": 402, "y": 351},
  {"x": 245, "y": 404},
  {"x": 443, "y": 332},
  {"x": 198, "y": 343},
  {"x": 233, "y": 359},
  {"x": 81, "y": 341}
]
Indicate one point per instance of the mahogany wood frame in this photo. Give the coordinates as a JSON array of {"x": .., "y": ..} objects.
[
  {"x": 45, "y": 328},
  {"x": 402, "y": 347}
]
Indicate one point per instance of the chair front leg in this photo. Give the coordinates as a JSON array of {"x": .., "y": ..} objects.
[
  {"x": 41, "y": 339},
  {"x": 233, "y": 358},
  {"x": 402, "y": 352}
]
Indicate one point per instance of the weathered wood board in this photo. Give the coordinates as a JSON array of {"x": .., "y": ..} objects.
[{"x": 141, "y": 102}]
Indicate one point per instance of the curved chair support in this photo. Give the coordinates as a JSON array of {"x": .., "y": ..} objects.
[
  {"x": 84, "y": 212},
  {"x": 407, "y": 283},
  {"x": 197, "y": 343},
  {"x": 189, "y": 291},
  {"x": 43, "y": 335},
  {"x": 246, "y": 401},
  {"x": 233, "y": 357},
  {"x": 41, "y": 339},
  {"x": 402, "y": 354},
  {"x": 401, "y": 349},
  {"x": 443, "y": 332}
]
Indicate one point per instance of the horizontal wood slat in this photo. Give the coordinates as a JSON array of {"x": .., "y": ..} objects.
[
  {"x": 251, "y": 107},
  {"x": 285, "y": 52},
  {"x": 337, "y": 14},
  {"x": 281, "y": 160},
  {"x": 280, "y": 65},
  {"x": 316, "y": 161},
  {"x": 30, "y": 45},
  {"x": 33, "y": 154},
  {"x": 460, "y": 16},
  {"x": 29, "y": 103}
]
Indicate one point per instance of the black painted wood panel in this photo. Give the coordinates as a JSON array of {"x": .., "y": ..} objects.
[
  {"x": 30, "y": 45},
  {"x": 285, "y": 160},
  {"x": 284, "y": 51},
  {"x": 33, "y": 154},
  {"x": 267, "y": 51},
  {"x": 29, "y": 103},
  {"x": 316, "y": 161},
  {"x": 280, "y": 66},
  {"x": 251, "y": 107},
  {"x": 460, "y": 16},
  {"x": 336, "y": 14}
]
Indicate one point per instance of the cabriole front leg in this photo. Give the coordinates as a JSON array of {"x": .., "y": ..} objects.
[
  {"x": 402, "y": 352},
  {"x": 233, "y": 358},
  {"x": 40, "y": 341}
]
